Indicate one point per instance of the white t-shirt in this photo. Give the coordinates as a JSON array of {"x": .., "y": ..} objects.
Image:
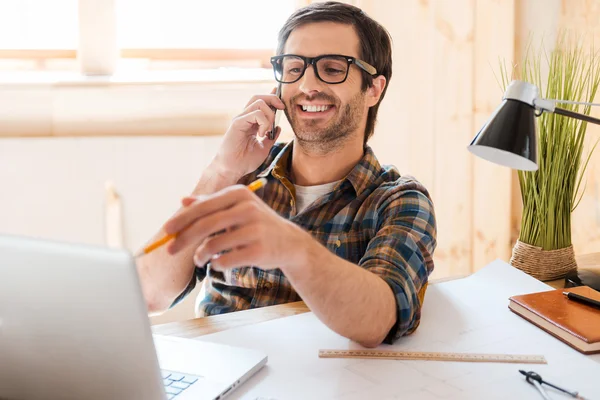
[{"x": 306, "y": 195}]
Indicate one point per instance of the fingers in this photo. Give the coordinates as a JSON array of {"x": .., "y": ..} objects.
[
  {"x": 269, "y": 99},
  {"x": 198, "y": 209},
  {"x": 186, "y": 201},
  {"x": 262, "y": 106},
  {"x": 259, "y": 105},
  {"x": 230, "y": 240},
  {"x": 213, "y": 224},
  {"x": 272, "y": 139},
  {"x": 248, "y": 121},
  {"x": 259, "y": 109},
  {"x": 239, "y": 257}
]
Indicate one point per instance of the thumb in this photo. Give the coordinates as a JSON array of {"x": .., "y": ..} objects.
[
  {"x": 188, "y": 200},
  {"x": 275, "y": 137}
]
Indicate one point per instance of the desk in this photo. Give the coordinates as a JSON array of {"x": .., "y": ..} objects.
[
  {"x": 589, "y": 261},
  {"x": 197, "y": 327},
  {"x": 463, "y": 315}
]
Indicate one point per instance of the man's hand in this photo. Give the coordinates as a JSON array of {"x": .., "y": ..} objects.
[
  {"x": 246, "y": 144},
  {"x": 234, "y": 228}
]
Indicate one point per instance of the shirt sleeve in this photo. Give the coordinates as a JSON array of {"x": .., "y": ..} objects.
[
  {"x": 199, "y": 275},
  {"x": 401, "y": 252}
]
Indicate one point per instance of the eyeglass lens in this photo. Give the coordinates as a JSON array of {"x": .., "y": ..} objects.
[{"x": 331, "y": 69}]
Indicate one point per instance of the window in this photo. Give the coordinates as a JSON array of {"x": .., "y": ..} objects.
[
  {"x": 209, "y": 32},
  {"x": 197, "y": 24},
  {"x": 38, "y": 24}
]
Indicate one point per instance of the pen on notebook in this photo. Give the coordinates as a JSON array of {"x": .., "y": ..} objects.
[
  {"x": 254, "y": 186},
  {"x": 582, "y": 299}
]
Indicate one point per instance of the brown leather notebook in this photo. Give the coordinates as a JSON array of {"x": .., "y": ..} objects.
[{"x": 576, "y": 324}]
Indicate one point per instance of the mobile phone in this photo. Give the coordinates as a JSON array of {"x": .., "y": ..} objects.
[{"x": 277, "y": 114}]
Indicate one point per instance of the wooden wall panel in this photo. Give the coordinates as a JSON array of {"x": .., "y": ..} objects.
[
  {"x": 582, "y": 18},
  {"x": 453, "y": 69},
  {"x": 426, "y": 119},
  {"x": 492, "y": 184},
  {"x": 405, "y": 134}
]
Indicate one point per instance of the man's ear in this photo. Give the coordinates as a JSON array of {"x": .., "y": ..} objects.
[{"x": 375, "y": 90}]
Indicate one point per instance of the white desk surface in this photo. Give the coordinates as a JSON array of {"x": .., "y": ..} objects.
[{"x": 465, "y": 315}]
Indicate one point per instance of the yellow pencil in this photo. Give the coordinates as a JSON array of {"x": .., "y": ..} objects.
[{"x": 254, "y": 186}]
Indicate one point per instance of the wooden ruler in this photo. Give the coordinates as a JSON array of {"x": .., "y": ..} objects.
[{"x": 434, "y": 356}]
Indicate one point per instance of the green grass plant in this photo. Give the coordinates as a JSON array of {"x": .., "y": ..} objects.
[{"x": 551, "y": 193}]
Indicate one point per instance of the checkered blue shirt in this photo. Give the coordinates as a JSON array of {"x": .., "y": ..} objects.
[{"x": 374, "y": 218}]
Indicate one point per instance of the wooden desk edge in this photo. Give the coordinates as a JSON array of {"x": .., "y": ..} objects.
[{"x": 197, "y": 327}]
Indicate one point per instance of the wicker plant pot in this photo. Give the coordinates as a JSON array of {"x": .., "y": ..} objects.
[{"x": 541, "y": 264}]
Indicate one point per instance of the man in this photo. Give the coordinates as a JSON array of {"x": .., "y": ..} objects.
[{"x": 354, "y": 240}]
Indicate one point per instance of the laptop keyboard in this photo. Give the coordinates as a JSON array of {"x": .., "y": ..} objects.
[{"x": 175, "y": 383}]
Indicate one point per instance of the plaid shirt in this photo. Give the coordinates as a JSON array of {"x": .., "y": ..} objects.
[{"x": 373, "y": 218}]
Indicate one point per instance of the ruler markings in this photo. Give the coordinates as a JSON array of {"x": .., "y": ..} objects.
[{"x": 434, "y": 356}]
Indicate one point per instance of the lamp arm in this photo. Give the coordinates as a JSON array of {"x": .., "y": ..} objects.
[
  {"x": 549, "y": 105},
  {"x": 583, "y": 103},
  {"x": 575, "y": 115}
]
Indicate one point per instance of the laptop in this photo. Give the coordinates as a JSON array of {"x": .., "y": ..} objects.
[{"x": 74, "y": 325}]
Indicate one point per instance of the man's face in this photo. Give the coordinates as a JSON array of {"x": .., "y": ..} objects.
[{"x": 340, "y": 112}]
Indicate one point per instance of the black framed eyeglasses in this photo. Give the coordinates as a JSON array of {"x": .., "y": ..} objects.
[{"x": 329, "y": 68}]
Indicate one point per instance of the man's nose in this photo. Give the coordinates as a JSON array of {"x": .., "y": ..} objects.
[{"x": 309, "y": 83}]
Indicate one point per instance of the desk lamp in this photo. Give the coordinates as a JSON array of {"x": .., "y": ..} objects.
[{"x": 508, "y": 138}]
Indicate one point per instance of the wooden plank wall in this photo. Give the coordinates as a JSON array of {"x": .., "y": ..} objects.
[
  {"x": 453, "y": 60},
  {"x": 446, "y": 56},
  {"x": 443, "y": 88},
  {"x": 582, "y": 17},
  {"x": 494, "y": 27}
]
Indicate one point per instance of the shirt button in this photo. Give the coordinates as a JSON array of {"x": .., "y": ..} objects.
[
  {"x": 267, "y": 286},
  {"x": 292, "y": 203},
  {"x": 338, "y": 243}
]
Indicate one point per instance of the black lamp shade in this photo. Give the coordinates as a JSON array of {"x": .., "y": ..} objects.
[{"x": 508, "y": 138}]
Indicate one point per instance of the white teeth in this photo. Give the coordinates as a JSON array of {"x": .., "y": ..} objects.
[{"x": 315, "y": 108}]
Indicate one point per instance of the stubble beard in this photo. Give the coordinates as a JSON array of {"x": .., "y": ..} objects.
[{"x": 343, "y": 126}]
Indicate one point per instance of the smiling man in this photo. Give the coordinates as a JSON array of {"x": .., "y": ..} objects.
[{"x": 332, "y": 227}]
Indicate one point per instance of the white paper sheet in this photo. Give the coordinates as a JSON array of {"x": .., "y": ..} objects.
[{"x": 465, "y": 315}]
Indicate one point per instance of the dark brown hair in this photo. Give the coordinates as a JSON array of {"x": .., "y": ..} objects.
[{"x": 375, "y": 42}]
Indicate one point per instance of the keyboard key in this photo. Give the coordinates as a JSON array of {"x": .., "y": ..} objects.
[
  {"x": 170, "y": 396},
  {"x": 165, "y": 375},
  {"x": 172, "y": 390},
  {"x": 180, "y": 385},
  {"x": 167, "y": 382},
  {"x": 189, "y": 379},
  {"x": 176, "y": 377}
]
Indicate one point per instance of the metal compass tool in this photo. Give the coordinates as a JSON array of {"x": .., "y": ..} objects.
[{"x": 536, "y": 380}]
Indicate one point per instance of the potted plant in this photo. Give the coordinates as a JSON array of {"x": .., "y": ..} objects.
[{"x": 550, "y": 194}]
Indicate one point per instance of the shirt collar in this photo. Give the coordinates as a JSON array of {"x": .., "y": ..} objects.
[
  {"x": 365, "y": 172},
  {"x": 280, "y": 163},
  {"x": 360, "y": 177}
]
